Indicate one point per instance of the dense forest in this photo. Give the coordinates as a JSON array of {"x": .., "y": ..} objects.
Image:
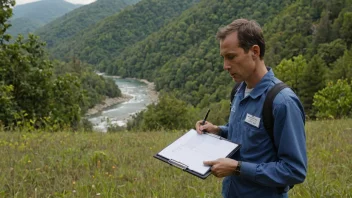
[
  {"x": 36, "y": 92},
  {"x": 308, "y": 45},
  {"x": 106, "y": 39}
]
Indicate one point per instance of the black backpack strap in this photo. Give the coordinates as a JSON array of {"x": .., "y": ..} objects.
[
  {"x": 233, "y": 92},
  {"x": 268, "y": 117}
]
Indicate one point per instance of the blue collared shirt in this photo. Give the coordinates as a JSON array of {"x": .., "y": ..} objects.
[{"x": 264, "y": 168}]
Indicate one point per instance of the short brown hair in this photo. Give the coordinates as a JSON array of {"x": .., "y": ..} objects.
[{"x": 249, "y": 33}]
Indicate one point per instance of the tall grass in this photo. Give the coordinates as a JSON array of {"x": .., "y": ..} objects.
[{"x": 121, "y": 165}]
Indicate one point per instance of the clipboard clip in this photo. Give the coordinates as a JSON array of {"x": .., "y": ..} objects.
[{"x": 178, "y": 164}]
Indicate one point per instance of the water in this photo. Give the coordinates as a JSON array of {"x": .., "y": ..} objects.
[{"x": 119, "y": 113}]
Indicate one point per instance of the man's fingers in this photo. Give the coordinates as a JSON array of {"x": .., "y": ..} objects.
[
  {"x": 199, "y": 127},
  {"x": 209, "y": 163}
]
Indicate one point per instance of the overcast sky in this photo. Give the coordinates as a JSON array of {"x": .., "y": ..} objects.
[{"x": 19, "y": 2}]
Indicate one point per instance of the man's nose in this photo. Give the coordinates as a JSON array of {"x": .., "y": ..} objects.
[{"x": 226, "y": 66}]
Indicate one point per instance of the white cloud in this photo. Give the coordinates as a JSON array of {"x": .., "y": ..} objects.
[
  {"x": 80, "y": 1},
  {"x": 19, "y": 2}
]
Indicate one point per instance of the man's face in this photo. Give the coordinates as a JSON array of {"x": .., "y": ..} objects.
[{"x": 237, "y": 62}]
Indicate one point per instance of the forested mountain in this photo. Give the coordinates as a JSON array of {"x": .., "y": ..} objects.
[
  {"x": 29, "y": 17},
  {"x": 308, "y": 44},
  {"x": 105, "y": 40},
  {"x": 75, "y": 23},
  {"x": 23, "y": 26},
  {"x": 183, "y": 57}
]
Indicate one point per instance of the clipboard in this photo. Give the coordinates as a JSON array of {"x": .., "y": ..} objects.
[{"x": 190, "y": 150}]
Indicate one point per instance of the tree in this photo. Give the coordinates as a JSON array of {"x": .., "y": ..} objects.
[
  {"x": 323, "y": 30},
  {"x": 169, "y": 113},
  {"x": 65, "y": 108},
  {"x": 342, "y": 68},
  {"x": 25, "y": 69},
  {"x": 313, "y": 80},
  {"x": 6, "y": 105},
  {"x": 5, "y": 14},
  {"x": 291, "y": 71},
  {"x": 346, "y": 29},
  {"x": 334, "y": 101},
  {"x": 330, "y": 52}
]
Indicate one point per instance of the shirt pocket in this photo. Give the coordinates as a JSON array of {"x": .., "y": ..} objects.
[{"x": 253, "y": 137}]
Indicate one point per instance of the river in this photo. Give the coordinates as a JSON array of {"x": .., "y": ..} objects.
[{"x": 119, "y": 113}]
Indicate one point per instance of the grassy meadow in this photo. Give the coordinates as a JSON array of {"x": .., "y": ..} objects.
[{"x": 70, "y": 164}]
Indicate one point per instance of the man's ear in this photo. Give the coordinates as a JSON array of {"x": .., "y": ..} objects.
[{"x": 255, "y": 51}]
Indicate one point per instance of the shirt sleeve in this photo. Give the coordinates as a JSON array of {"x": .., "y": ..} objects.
[
  {"x": 224, "y": 130},
  {"x": 290, "y": 141}
]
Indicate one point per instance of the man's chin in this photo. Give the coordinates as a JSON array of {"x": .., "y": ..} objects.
[{"x": 236, "y": 79}]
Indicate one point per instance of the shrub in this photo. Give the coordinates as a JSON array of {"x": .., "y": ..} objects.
[{"x": 334, "y": 101}]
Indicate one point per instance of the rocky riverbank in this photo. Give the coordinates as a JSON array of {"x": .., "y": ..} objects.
[
  {"x": 107, "y": 103},
  {"x": 152, "y": 94}
]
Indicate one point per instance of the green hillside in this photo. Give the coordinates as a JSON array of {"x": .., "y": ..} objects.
[
  {"x": 29, "y": 17},
  {"x": 105, "y": 40},
  {"x": 74, "y": 22},
  {"x": 23, "y": 26},
  {"x": 183, "y": 56}
]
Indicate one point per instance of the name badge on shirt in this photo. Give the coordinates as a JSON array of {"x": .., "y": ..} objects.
[{"x": 252, "y": 120}]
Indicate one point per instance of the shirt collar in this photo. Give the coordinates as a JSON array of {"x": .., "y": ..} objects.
[{"x": 263, "y": 84}]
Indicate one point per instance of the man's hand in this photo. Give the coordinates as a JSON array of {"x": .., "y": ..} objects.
[
  {"x": 222, "y": 167},
  {"x": 208, "y": 127}
]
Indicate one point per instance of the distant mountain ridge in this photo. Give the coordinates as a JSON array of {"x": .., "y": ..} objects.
[
  {"x": 71, "y": 23},
  {"x": 31, "y": 16}
]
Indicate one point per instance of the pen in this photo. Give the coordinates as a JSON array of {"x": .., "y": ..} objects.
[{"x": 205, "y": 118}]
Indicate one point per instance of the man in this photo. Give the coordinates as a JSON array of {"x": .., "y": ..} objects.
[{"x": 262, "y": 167}]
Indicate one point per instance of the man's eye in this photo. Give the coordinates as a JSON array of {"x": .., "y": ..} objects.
[{"x": 230, "y": 57}]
